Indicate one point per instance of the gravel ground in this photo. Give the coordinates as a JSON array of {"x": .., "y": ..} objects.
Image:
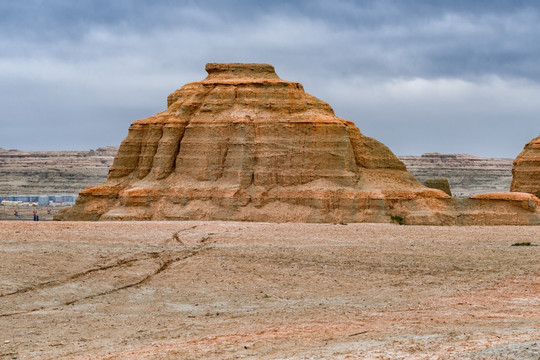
[{"x": 226, "y": 290}]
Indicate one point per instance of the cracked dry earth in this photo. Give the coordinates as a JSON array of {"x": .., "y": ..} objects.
[{"x": 226, "y": 290}]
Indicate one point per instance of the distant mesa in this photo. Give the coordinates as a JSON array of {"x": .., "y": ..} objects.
[
  {"x": 467, "y": 174},
  {"x": 526, "y": 169},
  {"x": 245, "y": 145},
  {"x": 53, "y": 172}
]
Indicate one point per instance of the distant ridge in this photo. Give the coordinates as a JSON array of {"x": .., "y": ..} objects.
[
  {"x": 46, "y": 172},
  {"x": 467, "y": 174},
  {"x": 53, "y": 172}
]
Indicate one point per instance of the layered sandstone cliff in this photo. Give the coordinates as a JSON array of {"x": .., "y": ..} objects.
[
  {"x": 244, "y": 144},
  {"x": 526, "y": 169}
]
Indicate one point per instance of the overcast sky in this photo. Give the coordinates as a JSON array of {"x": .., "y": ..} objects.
[{"x": 420, "y": 76}]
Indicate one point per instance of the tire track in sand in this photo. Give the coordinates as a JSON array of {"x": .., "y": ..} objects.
[{"x": 100, "y": 280}]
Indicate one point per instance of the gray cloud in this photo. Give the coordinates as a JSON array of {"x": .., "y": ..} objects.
[{"x": 420, "y": 76}]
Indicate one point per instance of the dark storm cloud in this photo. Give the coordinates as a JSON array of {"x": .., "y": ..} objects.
[
  {"x": 407, "y": 38},
  {"x": 407, "y": 72}
]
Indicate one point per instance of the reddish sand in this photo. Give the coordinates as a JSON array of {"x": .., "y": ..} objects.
[{"x": 226, "y": 290}]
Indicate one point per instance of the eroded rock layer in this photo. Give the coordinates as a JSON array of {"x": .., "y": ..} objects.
[
  {"x": 245, "y": 145},
  {"x": 526, "y": 169}
]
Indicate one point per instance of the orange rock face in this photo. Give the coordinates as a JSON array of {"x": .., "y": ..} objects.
[
  {"x": 245, "y": 145},
  {"x": 526, "y": 169}
]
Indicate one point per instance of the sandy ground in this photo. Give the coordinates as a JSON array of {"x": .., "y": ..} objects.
[{"x": 224, "y": 290}]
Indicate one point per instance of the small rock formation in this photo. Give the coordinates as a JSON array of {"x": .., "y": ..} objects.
[
  {"x": 243, "y": 144},
  {"x": 526, "y": 169},
  {"x": 439, "y": 183}
]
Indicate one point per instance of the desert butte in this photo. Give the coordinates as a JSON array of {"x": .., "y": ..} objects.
[
  {"x": 228, "y": 290},
  {"x": 245, "y": 145}
]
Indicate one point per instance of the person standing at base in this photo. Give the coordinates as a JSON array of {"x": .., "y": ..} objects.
[{"x": 35, "y": 215}]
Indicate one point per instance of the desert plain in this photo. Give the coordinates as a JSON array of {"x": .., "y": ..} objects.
[{"x": 231, "y": 290}]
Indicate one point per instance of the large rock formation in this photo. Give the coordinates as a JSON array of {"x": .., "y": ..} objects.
[
  {"x": 245, "y": 145},
  {"x": 526, "y": 170}
]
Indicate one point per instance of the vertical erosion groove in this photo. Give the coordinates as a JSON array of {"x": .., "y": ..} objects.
[
  {"x": 149, "y": 148},
  {"x": 168, "y": 149},
  {"x": 199, "y": 101},
  {"x": 127, "y": 159}
]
